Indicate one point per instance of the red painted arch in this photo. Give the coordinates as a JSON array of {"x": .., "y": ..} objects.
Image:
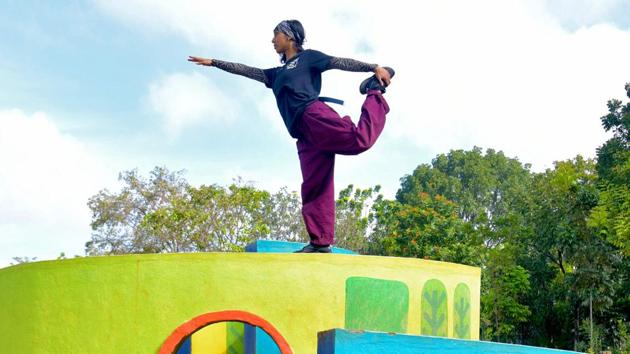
[{"x": 199, "y": 322}]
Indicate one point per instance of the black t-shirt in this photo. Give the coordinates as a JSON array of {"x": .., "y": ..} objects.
[{"x": 297, "y": 83}]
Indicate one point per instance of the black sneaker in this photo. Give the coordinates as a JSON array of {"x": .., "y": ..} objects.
[
  {"x": 311, "y": 248},
  {"x": 371, "y": 83}
]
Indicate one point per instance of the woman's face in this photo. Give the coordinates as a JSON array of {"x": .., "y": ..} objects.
[{"x": 281, "y": 42}]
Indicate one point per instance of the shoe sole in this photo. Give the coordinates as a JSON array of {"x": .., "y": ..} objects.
[
  {"x": 364, "y": 84},
  {"x": 314, "y": 250}
]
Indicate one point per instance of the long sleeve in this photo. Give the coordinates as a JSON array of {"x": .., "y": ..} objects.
[
  {"x": 348, "y": 64},
  {"x": 241, "y": 69}
]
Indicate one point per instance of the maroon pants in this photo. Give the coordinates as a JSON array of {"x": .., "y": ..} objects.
[{"x": 323, "y": 133}]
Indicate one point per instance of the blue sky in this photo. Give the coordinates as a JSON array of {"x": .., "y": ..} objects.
[{"x": 92, "y": 88}]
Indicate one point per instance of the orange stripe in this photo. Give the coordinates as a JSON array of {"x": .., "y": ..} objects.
[{"x": 190, "y": 327}]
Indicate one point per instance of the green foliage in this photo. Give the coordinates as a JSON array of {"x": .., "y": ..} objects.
[
  {"x": 505, "y": 285},
  {"x": 282, "y": 213},
  {"x": 611, "y": 217},
  {"x": 561, "y": 200},
  {"x": 117, "y": 218},
  {"x": 592, "y": 344},
  {"x": 20, "y": 260},
  {"x": 483, "y": 186},
  {"x": 567, "y": 261},
  {"x": 354, "y": 217},
  {"x": 622, "y": 334},
  {"x": 613, "y": 157},
  {"x": 166, "y": 214},
  {"x": 612, "y": 214},
  {"x": 427, "y": 227},
  {"x": 606, "y": 272},
  {"x": 209, "y": 218}
]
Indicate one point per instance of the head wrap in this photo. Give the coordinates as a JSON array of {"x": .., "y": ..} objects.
[{"x": 291, "y": 32}]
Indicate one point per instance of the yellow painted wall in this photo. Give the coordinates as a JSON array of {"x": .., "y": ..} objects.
[
  {"x": 131, "y": 304},
  {"x": 210, "y": 339}
]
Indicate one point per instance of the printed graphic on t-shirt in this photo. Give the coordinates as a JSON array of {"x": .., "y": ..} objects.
[
  {"x": 297, "y": 83},
  {"x": 293, "y": 64}
]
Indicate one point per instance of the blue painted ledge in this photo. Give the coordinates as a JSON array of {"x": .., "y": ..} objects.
[
  {"x": 340, "y": 341},
  {"x": 269, "y": 246}
]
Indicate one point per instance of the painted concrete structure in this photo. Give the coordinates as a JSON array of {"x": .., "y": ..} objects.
[
  {"x": 339, "y": 341},
  {"x": 136, "y": 303},
  {"x": 271, "y": 246}
]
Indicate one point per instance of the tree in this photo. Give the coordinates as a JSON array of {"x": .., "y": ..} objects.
[
  {"x": 283, "y": 215},
  {"x": 505, "y": 286},
  {"x": 561, "y": 201},
  {"x": 210, "y": 218},
  {"x": 354, "y": 217},
  {"x": 567, "y": 261},
  {"x": 485, "y": 188},
  {"x": 611, "y": 217},
  {"x": 612, "y": 157},
  {"x": 426, "y": 227},
  {"x": 166, "y": 214},
  {"x": 609, "y": 220},
  {"x": 117, "y": 217},
  {"x": 468, "y": 207},
  {"x": 21, "y": 260}
]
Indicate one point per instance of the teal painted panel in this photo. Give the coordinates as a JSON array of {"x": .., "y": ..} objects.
[
  {"x": 270, "y": 246},
  {"x": 339, "y": 341},
  {"x": 264, "y": 343},
  {"x": 376, "y": 304},
  {"x": 258, "y": 341}
]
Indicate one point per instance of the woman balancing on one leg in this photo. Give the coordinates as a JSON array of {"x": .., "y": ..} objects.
[{"x": 320, "y": 131}]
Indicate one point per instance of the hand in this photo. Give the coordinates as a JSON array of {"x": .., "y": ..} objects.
[
  {"x": 203, "y": 61},
  {"x": 383, "y": 76}
]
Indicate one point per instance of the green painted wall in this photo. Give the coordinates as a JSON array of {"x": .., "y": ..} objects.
[{"x": 376, "y": 304}]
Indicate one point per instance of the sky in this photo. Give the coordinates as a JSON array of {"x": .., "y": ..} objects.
[{"x": 89, "y": 89}]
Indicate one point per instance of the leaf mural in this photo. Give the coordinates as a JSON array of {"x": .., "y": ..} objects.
[
  {"x": 434, "y": 309},
  {"x": 461, "y": 312}
]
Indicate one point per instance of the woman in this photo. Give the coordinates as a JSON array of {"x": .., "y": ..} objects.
[{"x": 320, "y": 131}]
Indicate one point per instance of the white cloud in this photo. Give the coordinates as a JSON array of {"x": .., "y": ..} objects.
[
  {"x": 243, "y": 29},
  {"x": 575, "y": 14},
  {"x": 45, "y": 182},
  {"x": 509, "y": 75},
  {"x": 496, "y": 74},
  {"x": 186, "y": 100},
  {"x": 515, "y": 82}
]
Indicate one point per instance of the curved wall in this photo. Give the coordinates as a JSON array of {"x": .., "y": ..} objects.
[{"x": 131, "y": 304}]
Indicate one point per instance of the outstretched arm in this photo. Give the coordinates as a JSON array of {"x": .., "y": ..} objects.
[
  {"x": 348, "y": 64},
  {"x": 234, "y": 68}
]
